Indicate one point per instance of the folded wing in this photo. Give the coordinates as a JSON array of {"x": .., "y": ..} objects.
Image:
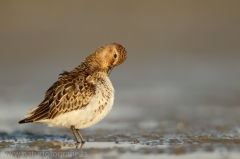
[{"x": 69, "y": 93}]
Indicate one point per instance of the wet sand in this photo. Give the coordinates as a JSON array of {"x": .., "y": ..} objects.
[
  {"x": 120, "y": 146},
  {"x": 168, "y": 140}
]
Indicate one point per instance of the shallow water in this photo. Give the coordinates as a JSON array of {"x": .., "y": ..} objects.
[
  {"x": 134, "y": 138},
  {"x": 115, "y": 145}
]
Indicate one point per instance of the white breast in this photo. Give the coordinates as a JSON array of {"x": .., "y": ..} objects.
[{"x": 99, "y": 106}]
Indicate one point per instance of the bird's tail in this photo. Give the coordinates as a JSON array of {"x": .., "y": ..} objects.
[{"x": 25, "y": 121}]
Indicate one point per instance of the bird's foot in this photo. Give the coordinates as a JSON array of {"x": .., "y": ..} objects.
[{"x": 80, "y": 144}]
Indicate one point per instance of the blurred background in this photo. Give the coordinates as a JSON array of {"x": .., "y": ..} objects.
[{"x": 182, "y": 66}]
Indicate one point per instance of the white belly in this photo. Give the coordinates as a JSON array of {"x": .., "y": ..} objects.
[{"x": 97, "y": 109}]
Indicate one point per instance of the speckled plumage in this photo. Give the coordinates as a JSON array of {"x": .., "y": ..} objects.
[{"x": 83, "y": 96}]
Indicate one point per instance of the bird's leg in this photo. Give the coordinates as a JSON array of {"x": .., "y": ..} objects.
[
  {"x": 82, "y": 140},
  {"x": 79, "y": 134},
  {"x": 74, "y": 133}
]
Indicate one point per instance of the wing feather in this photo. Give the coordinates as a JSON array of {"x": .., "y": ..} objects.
[{"x": 70, "y": 92}]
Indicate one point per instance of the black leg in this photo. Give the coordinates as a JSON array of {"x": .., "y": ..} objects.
[{"x": 74, "y": 133}]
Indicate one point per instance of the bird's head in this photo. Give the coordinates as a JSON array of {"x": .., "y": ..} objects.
[{"x": 108, "y": 56}]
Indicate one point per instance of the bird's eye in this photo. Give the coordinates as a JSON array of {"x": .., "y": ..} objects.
[{"x": 115, "y": 55}]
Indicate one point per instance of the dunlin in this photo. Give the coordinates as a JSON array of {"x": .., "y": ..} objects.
[{"x": 83, "y": 96}]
